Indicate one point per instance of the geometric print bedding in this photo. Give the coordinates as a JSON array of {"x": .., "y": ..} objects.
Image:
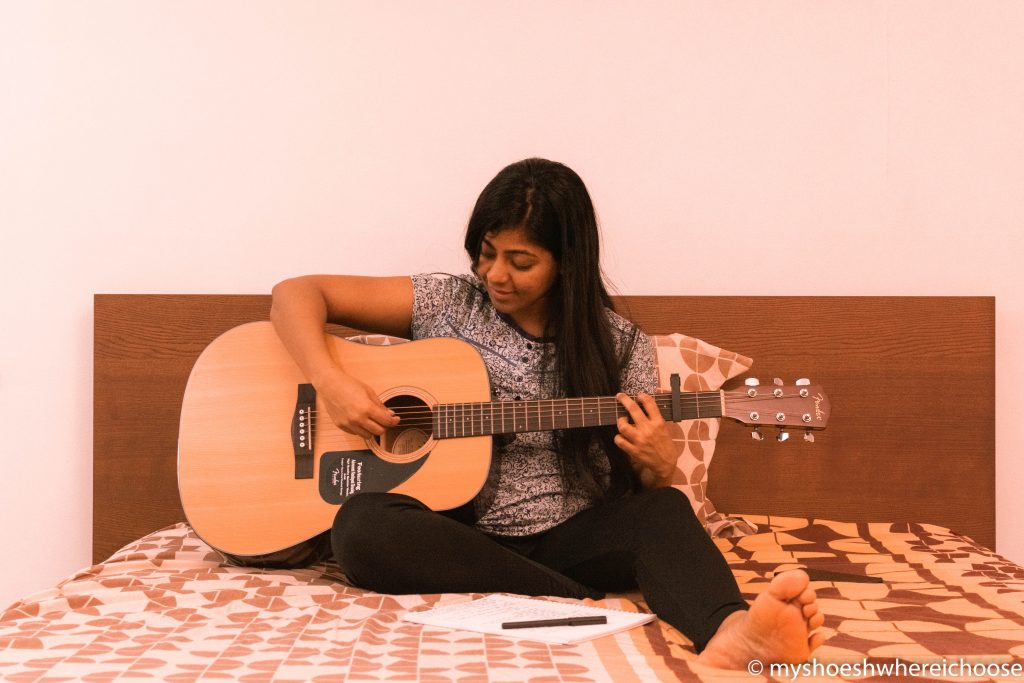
[{"x": 166, "y": 609}]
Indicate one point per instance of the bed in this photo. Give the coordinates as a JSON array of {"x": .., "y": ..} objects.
[{"x": 900, "y": 486}]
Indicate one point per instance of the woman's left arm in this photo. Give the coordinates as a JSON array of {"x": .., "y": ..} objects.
[{"x": 645, "y": 438}]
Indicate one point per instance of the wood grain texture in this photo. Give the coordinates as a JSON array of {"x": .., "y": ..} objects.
[{"x": 911, "y": 379}]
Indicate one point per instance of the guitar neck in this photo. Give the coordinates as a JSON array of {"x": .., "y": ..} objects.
[{"x": 453, "y": 420}]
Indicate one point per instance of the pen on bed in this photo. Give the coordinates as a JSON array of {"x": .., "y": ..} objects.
[{"x": 567, "y": 621}]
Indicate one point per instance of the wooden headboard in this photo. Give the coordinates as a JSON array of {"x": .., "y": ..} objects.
[{"x": 911, "y": 380}]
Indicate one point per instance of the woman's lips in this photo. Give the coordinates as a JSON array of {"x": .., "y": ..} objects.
[{"x": 497, "y": 294}]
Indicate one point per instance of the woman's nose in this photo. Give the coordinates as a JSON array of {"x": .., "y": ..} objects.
[{"x": 497, "y": 272}]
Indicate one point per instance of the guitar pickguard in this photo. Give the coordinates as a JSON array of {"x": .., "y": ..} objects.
[{"x": 346, "y": 473}]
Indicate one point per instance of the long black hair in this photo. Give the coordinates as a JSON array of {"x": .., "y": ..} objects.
[{"x": 551, "y": 203}]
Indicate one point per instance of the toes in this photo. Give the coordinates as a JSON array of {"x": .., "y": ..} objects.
[
  {"x": 815, "y": 641},
  {"x": 810, "y": 610},
  {"x": 815, "y": 621},
  {"x": 807, "y": 596},
  {"x": 789, "y": 585}
]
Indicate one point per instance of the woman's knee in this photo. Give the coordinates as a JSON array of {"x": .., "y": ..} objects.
[
  {"x": 669, "y": 505},
  {"x": 667, "y": 500},
  {"x": 362, "y": 525}
]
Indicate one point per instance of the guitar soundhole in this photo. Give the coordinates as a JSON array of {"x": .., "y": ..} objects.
[{"x": 413, "y": 431}]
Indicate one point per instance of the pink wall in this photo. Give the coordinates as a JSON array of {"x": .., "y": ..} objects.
[{"x": 776, "y": 148}]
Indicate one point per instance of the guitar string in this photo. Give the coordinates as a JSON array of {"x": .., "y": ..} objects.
[
  {"x": 471, "y": 414},
  {"x": 568, "y": 406},
  {"x": 734, "y": 397},
  {"x": 580, "y": 404},
  {"x": 467, "y": 425}
]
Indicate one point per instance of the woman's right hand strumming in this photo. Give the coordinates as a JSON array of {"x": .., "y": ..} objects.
[
  {"x": 353, "y": 406},
  {"x": 301, "y": 306}
]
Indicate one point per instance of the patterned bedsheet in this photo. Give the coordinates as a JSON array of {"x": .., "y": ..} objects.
[{"x": 165, "y": 609}]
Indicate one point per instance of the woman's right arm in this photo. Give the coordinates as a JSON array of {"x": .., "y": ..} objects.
[{"x": 302, "y": 305}]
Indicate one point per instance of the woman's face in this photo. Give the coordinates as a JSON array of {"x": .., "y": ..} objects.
[{"x": 518, "y": 275}]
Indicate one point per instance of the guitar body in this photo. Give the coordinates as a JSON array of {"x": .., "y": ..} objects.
[{"x": 237, "y": 472}]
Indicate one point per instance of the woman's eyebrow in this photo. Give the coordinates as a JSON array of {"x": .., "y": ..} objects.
[{"x": 524, "y": 252}]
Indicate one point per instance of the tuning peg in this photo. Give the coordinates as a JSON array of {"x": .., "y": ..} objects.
[
  {"x": 756, "y": 434},
  {"x": 777, "y": 392},
  {"x": 809, "y": 436},
  {"x": 783, "y": 435},
  {"x": 803, "y": 382},
  {"x": 752, "y": 384}
]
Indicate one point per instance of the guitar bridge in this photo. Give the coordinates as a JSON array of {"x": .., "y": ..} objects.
[{"x": 302, "y": 431}]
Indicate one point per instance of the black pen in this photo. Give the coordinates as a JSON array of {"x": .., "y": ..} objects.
[{"x": 568, "y": 621}]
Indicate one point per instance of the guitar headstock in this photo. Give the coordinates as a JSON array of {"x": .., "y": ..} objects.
[{"x": 796, "y": 406}]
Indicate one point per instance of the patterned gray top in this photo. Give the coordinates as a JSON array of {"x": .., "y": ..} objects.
[{"x": 523, "y": 494}]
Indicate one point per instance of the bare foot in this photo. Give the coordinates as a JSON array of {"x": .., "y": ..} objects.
[{"x": 777, "y": 628}]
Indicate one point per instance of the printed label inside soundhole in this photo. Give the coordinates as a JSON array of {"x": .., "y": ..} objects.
[{"x": 346, "y": 473}]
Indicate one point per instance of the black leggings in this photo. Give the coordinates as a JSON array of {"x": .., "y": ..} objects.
[{"x": 392, "y": 543}]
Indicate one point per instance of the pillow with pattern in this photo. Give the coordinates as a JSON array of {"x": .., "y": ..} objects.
[{"x": 701, "y": 367}]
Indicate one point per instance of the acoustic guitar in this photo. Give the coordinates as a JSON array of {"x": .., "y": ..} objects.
[{"x": 261, "y": 468}]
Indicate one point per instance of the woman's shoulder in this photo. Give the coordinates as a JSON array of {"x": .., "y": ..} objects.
[
  {"x": 451, "y": 280},
  {"x": 622, "y": 327},
  {"x": 437, "y": 288},
  {"x": 636, "y": 348},
  {"x": 444, "y": 303}
]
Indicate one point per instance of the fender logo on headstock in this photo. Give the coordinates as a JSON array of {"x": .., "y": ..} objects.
[{"x": 818, "y": 413}]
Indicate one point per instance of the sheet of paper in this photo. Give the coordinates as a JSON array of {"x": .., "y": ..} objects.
[{"x": 486, "y": 615}]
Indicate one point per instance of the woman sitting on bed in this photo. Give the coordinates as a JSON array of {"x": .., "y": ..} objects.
[{"x": 571, "y": 513}]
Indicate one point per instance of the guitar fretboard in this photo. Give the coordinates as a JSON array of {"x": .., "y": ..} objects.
[{"x": 453, "y": 420}]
